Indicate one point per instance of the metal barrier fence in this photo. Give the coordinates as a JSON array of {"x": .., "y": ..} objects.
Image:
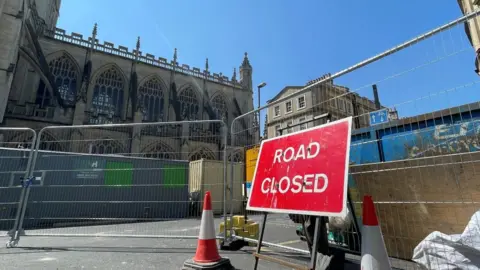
[
  {"x": 414, "y": 149},
  {"x": 14, "y": 169},
  {"x": 137, "y": 176}
]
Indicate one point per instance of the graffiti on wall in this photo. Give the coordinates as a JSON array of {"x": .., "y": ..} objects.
[
  {"x": 432, "y": 141},
  {"x": 446, "y": 139}
]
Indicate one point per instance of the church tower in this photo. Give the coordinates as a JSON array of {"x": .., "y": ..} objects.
[{"x": 246, "y": 74}]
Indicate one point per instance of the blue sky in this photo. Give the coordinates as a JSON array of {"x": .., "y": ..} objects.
[{"x": 291, "y": 42}]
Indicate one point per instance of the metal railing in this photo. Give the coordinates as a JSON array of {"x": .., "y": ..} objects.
[
  {"x": 417, "y": 156},
  {"x": 83, "y": 179},
  {"x": 420, "y": 144}
]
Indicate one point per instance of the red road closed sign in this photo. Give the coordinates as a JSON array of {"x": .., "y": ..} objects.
[{"x": 304, "y": 172}]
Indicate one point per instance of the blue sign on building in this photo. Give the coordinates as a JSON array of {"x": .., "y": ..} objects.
[{"x": 378, "y": 117}]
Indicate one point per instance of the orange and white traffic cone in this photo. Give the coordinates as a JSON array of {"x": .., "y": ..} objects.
[
  {"x": 374, "y": 253},
  {"x": 207, "y": 256}
]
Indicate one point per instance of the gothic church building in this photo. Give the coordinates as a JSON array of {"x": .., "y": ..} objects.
[{"x": 49, "y": 77}]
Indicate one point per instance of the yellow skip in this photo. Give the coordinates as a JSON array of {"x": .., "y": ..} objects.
[{"x": 249, "y": 229}]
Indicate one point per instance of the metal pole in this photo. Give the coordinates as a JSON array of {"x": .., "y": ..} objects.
[
  {"x": 260, "y": 239},
  {"x": 316, "y": 238},
  {"x": 245, "y": 190},
  {"x": 370, "y": 60},
  {"x": 230, "y": 237},
  {"x": 15, "y": 232},
  {"x": 259, "y": 129},
  {"x": 224, "y": 129}
]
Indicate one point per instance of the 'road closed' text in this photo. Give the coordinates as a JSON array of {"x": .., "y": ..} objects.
[
  {"x": 286, "y": 155},
  {"x": 309, "y": 183}
]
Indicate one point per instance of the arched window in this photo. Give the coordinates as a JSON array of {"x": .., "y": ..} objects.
[
  {"x": 220, "y": 107},
  {"x": 189, "y": 106},
  {"x": 65, "y": 74},
  {"x": 235, "y": 157},
  {"x": 151, "y": 98},
  {"x": 48, "y": 142},
  {"x": 202, "y": 153},
  {"x": 107, "y": 99},
  {"x": 15, "y": 139},
  {"x": 106, "y": 146},
  {"x": 22, "y": 140},
  {"x": 161, "y": 151}
]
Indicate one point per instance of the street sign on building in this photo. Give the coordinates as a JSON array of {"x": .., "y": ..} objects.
[
  {"x": 305, "y": 172},
  {"x": 378, "y": 117}
]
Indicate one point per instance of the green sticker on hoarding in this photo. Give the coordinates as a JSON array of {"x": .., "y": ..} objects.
[
  {"x": 174, "y": 176},
  {"x": 118, "y": 174}
]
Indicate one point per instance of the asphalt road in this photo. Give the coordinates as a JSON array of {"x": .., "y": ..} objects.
[{"x": 100, "y": 252}]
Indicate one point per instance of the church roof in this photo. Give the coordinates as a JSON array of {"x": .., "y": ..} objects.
[{"x": 148, "y": 59}]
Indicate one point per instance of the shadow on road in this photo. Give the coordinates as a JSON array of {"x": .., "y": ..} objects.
[{"x": 284, "y": 255}]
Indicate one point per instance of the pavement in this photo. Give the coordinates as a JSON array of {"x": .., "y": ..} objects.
[{"x": 141, "y": 247}]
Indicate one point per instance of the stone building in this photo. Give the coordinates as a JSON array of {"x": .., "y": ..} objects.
[
  {"x": 49, "y": 77},
  {"x": 472, "y": 27},
  {"x": 303, "y": 111}
]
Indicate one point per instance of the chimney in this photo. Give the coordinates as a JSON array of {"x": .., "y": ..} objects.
[{"x": 375, "y": 97}]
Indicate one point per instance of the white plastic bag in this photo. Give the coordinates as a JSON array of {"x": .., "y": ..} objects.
[{"x": 440, "y": 251}]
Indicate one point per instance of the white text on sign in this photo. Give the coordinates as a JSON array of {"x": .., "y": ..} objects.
[
  {"x": 308, "y": 183},
  {"x": 290, "y": 154}
]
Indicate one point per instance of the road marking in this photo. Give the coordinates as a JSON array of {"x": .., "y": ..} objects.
[
  {"x": 47, "y": 259},
  {"x": 290, "y": 242},
  {"x": 283, "y": 244},
  {"x": 185, "y": 229}
]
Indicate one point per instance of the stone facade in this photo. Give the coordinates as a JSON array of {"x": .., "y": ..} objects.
[
  {"x": 472, "y": 27},
  {"x": 10, "y": 25},
  {"x": 302, "y": 111},
  {"x": 68, "y": 79}
]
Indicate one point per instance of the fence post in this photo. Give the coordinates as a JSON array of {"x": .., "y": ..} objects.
[
  {"x": 224, "y": 133},
  {"x": 232, "y": 175},
  {"x": 15, "y": 232},
  {"x": 23, "y": 209}
]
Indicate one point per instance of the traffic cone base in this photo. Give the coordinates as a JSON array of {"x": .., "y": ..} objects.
[
  {"x": 222, "y": 264},
  {"x": 207, "y": 256}
]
